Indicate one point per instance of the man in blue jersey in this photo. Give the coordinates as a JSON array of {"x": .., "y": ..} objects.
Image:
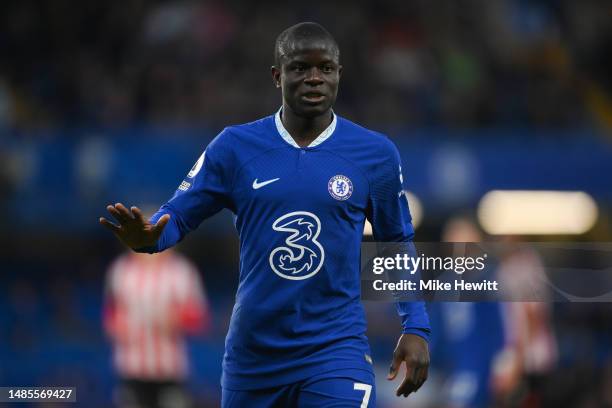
[{"x": 301, "y": 184}]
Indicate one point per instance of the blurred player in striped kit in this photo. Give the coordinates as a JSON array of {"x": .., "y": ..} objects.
[{"x": 151, "y": 303}]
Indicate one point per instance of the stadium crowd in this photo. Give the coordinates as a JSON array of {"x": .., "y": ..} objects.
[{"x": 473, "y": 63}]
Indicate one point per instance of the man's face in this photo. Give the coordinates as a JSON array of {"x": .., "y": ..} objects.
[{"x": 308, "y": 77}]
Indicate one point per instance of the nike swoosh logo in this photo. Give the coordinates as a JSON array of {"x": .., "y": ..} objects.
[{"x": 257, "y": 185}]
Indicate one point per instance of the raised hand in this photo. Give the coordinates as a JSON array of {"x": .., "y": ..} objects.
[
  {"x": 414, "y": 351},
  {"x": 134, "y": 230}
]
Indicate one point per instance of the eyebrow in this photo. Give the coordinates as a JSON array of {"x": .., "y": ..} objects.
[{"x": 302, "y": 61}]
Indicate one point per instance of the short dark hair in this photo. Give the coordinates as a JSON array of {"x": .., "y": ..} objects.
[{"x": 300, "y": 32}]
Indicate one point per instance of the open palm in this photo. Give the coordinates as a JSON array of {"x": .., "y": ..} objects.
[{"x": 133, "y": 229}]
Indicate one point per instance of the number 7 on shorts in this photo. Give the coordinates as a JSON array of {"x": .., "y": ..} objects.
[{"x": 366, "y": 397}]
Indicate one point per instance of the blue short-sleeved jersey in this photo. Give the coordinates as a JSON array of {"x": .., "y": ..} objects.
[{"x": 300, "y": 214}]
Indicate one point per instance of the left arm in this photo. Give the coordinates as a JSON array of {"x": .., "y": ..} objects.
[{"x": 391, "y": 222}]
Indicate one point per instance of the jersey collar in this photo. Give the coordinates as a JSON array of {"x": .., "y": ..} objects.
[{"x": 287, "y": 137}]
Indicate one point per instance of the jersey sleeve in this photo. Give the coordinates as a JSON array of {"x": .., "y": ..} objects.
[
  {"x": 391, "y": 222},
  {"x": 205, "y": 191}
]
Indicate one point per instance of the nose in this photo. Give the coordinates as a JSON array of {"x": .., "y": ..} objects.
[{"x": 313, "y": 76}]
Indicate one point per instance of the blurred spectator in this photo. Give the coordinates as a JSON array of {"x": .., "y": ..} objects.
[
  {"x": 151, "y": 302},
  {"x": 530, "y": 351},
  {"x": 469, "y": 335},
  {"x": 464, "y": 63},
  {"x": 506, "y": 363}
]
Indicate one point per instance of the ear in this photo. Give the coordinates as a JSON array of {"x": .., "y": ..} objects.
[
  {"x": 339, "y": 71},
  {"x": 276, "y": 74}
]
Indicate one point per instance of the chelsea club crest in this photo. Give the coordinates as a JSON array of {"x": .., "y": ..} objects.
[{"x": 340, "y": 187}]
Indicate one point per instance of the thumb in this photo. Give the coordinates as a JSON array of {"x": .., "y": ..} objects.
[
  {"x": 161, "y": 223},
  {"x": 394, "y": 368}
]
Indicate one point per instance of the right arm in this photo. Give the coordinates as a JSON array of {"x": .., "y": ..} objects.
[{"x": 204, "y": 192}]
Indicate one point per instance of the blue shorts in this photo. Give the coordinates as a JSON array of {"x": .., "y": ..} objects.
[{"x": 338, "y": 389}]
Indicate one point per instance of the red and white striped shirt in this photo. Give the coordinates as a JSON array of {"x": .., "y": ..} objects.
[{"x": 151, "y": 302}]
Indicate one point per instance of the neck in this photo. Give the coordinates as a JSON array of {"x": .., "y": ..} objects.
[{"x": 304, "y": 130}]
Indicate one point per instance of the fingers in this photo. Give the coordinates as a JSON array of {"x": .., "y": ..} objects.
[
  {"x": 124, "y": 212},
  {"x": 125, "y": 215},
  {"x": 119, "y": 215},
  {"x": 416, "y": 374},
  {"x": 111, "y": 209},
  {"x": 423, "y": 373},
  {"x": 412, "y": 350},
  {"x": 138, "y": 215},
  {"x": 109, "y": 225},
  {"x": 395, "y": 365},
  {"x": 405, "y": 388},
  {"x": 132, "y": 228},
  {"x": 161, "y": 223},
  {"x": 408, "y": 385}
]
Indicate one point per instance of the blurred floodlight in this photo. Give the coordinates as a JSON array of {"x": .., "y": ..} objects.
[
  {"x": 416, "y": 210},
  {"x": 536, "y": 212}
]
